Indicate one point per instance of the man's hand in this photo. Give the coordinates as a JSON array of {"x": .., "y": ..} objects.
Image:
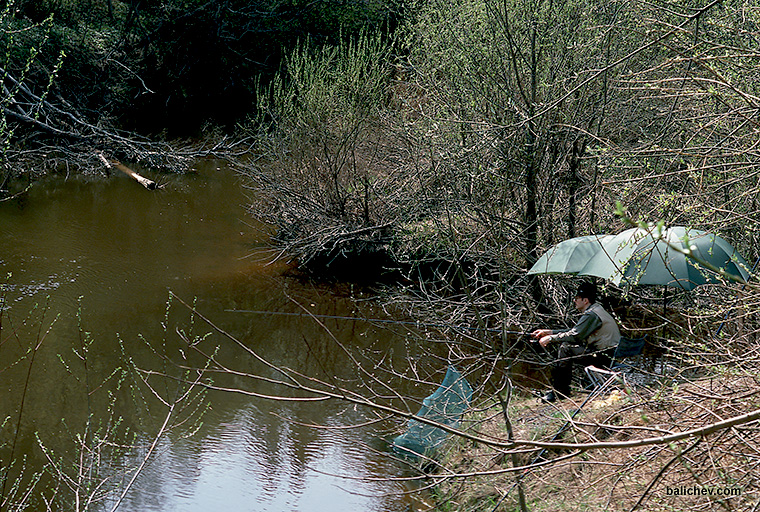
[{"x": 543, "y": 336}]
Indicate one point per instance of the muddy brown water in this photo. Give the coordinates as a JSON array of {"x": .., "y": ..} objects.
[{"x": 91, "y": 262}]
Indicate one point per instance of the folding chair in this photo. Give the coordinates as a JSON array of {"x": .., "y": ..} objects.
[{"x": 627, "y": 348}]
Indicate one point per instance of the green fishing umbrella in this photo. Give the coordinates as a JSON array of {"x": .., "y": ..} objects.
[
  {"x": 678, "y": 257},
  {"x": 569, "y": 256}
]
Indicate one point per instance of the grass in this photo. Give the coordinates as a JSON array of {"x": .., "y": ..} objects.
[{"x": 620, "y": 478}]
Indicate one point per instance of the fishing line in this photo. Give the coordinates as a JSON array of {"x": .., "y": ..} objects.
[{"x": 378, "y": 320}]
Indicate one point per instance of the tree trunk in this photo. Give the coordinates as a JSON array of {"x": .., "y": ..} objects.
[{"x": 579, "y": 148}]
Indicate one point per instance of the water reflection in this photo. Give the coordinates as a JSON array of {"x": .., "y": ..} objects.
[
  {"x": 233, "y": 468},
  {"x": 101, "y": 257}
]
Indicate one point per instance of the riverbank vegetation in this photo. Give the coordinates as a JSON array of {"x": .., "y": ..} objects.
[
  {"x": 144, "y": 82},
  {"x": 441, "y": 147}
]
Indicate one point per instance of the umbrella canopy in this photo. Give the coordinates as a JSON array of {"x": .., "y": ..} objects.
[
  {"x": 643, "y": 256},
  {"x": 569, "y": 256}
]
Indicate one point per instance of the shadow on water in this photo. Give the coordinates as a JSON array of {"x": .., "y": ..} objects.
[{"x": 98, "y": 258}]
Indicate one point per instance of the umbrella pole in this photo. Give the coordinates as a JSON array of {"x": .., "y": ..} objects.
[{"x": 664, "y": 314}]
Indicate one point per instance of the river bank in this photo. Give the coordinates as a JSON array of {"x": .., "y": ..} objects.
[{"x": 666, "y": 447}]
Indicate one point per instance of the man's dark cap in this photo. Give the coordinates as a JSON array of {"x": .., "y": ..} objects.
[{"x": 587, "y": 291}]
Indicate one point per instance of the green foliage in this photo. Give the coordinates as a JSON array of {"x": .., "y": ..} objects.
[
  {"x": 331, "y": 89},
  {"x": 319, "y": 125},
  {"x": 25, "y": 47},
  {"x": 201, "y": 62},
  {"x": 332, "y": 18},
  {"x": 179, "y": 64},
  {"x": 499, "y": 119},
  {"x": 499, "y": 58},
  {"x": 22, "y": 44}
]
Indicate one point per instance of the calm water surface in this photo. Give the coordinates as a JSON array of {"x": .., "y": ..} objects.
[{"x": 95, "y": 259}]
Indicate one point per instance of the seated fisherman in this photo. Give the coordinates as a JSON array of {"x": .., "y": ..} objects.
[{"x": 591, "y": 341}]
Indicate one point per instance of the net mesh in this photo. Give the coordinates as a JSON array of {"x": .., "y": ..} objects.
[{"x": 445, "y": 406}]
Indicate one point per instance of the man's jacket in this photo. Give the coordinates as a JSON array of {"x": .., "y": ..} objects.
[{"x": 595, "y": 327}]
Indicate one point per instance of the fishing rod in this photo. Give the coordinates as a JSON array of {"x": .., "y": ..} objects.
[{"x": 378, "y": 320}]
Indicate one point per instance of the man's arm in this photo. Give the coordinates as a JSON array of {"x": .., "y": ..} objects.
[{"x": 588, "y": 323}]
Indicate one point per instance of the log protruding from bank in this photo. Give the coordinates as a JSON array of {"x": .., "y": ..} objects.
[{"x": 142, "y": 180}]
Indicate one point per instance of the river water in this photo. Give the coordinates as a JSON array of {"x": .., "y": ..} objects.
[{"x": 87, "y": 316}]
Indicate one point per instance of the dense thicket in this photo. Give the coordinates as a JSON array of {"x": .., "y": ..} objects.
[
  {"x": 123, "y": 78},
  {"x": 180, "y": 65},
  {"x": 505, "y": 127}
]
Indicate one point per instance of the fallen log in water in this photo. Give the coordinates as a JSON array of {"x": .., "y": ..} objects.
[{"x": 145, "y": 182}]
